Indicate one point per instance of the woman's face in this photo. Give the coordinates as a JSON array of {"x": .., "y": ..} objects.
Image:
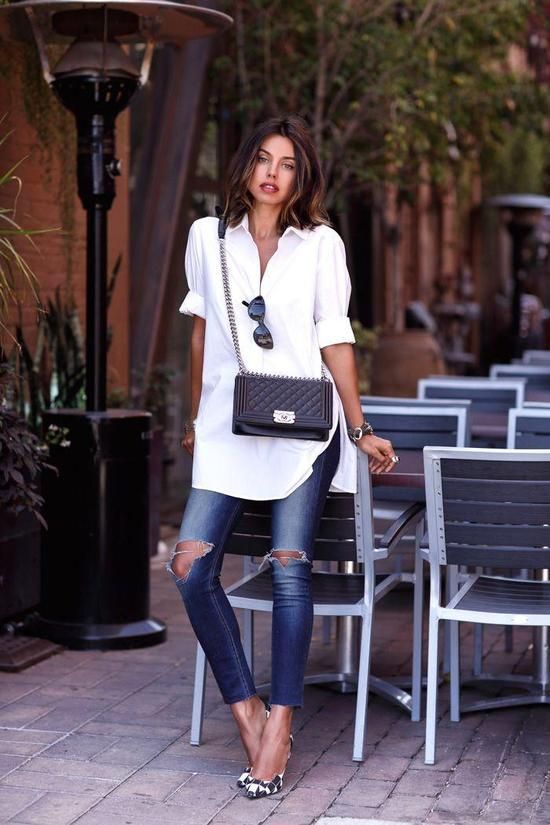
[{"x": 274, "y": 173}]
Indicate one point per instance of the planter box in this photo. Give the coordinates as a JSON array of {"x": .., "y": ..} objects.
[{"x": 19, "y": 564}]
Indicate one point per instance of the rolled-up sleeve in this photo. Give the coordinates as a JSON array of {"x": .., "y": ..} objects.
[
  {"x": 333, "y": 293},
  {"x": 193, "y": 303}
]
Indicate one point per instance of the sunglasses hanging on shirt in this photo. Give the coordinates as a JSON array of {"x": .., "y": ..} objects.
[{"x": 256, "y": 311}]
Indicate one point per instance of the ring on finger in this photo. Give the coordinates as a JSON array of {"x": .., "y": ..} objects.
[{"x": 395, "y": 459}]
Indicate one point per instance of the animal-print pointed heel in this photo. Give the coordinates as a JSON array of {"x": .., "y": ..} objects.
[
  {"x": 258, "y": 788},
  {"x": 244, "y": 778}
]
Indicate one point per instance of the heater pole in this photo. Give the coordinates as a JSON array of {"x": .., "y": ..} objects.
[{"x": 96, "y": 308}]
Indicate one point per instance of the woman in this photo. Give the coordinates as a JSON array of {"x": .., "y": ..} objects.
[{"x": 279, "y": 245}]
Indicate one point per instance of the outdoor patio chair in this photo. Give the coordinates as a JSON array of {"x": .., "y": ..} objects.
[
  {"x": 536, "y": 356},
  {"x": 529, "y": 428},
  {"x": 485, "y": 508},
  {"x": 536, "y": 377},
  {"x": 346, "y": 535},
  {"x": 411, "y": 424},
  {"x": 489, "y": 398},
  {"x": 542, "y": 405}
]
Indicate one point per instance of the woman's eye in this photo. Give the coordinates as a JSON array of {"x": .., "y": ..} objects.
[
  {"x": 289, "y": 166},
  {"x": 262, "y": 159}
]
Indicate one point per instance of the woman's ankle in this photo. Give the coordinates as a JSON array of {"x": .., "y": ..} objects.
[
  {"x": 247, "y": 709},
  {"x": 279, "y": 725}
]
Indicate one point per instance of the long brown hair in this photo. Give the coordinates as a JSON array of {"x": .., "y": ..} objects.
[{"x": 304, "y": 209}]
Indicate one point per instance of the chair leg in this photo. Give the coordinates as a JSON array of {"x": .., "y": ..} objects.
[
  {"x": 248, "y": 639},
  {"x": 327, "y": 629},
  {"x": 431, "y": 695},
  {"x": 446, "y": 666},
  {"x": 197, "y": 714},
  {"x": 418, "y": 604},
  {"x": 362, "y": 688},
  {"x": 327, "y": 620},
  {"x": 455, "y": 671},
  {"x": 477, "y": 662},
  {"x": 509, "y": 639}
]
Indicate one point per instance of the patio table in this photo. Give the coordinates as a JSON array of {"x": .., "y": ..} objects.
[{"x": 488, "y": 425}]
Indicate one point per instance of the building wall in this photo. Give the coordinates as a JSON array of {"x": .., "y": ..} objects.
[{"x": 44, "y": 135}]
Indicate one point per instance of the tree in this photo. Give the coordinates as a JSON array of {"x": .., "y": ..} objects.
[{"x": 388, "y": 88}]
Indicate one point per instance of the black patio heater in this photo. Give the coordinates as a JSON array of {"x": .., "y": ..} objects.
[
  {"x": 95, "y": 552},
  {"x": 522, "y": 213}
]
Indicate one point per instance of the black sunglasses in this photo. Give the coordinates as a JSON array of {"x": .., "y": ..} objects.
[{"x": 256, "y": 311}]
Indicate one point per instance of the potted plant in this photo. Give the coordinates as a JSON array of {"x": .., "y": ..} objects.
[
  {"x": 22, "y": 454},
  {"x": 23, "y": 458}
]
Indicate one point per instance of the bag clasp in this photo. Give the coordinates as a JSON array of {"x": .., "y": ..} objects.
[{"x": 284, "y": 416}]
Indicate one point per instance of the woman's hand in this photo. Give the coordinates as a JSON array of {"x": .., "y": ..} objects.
[
  {"x": 380, "y": 452},
  {"x": 188, "y": 441}
]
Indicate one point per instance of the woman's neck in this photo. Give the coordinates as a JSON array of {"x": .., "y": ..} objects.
[{"x": 263, "y": 222}]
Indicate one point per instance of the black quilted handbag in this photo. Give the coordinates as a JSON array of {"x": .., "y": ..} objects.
[{"x": 275, "y": 405}]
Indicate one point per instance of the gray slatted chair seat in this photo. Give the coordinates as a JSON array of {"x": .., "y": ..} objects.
[
  {"x": 490, "y": 594},
  {"x": 327, "y": 588}
]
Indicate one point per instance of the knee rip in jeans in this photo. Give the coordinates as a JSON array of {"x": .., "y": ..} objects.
[
  {"x": 284, "y": 557},
  {"x": 184, "y": 555}
]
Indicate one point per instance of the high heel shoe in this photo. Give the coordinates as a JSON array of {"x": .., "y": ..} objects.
[
  {"x": 258, "y": 788},
  {"x": 245, "y": 777}
]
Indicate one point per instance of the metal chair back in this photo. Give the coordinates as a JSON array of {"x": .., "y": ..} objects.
[
  {"x": 536, "y": 377},
  {"x": 488, "y": 508},
  {"x": 336, "y": 538},
  {"x": 486, "y": 395},
  {"x": 536, "y": 356},
  {"x": 414, "y": 426},
  {"x": 529, "y": 428}
]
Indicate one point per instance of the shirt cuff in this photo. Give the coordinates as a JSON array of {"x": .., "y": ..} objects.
[
  {"x": 193, "y": 304},
  {"x": 334, "y": 331}
]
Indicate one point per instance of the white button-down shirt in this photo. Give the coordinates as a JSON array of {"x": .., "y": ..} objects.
[{"x": 306, "y": 287}]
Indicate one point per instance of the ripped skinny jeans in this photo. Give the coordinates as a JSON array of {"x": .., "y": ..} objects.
[{"x": 207, "y": 523}]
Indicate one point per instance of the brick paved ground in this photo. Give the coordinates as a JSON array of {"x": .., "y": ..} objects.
[{"x": 102, "y": 739}]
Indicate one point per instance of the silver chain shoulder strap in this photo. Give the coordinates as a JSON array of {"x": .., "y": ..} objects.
[
  {"x": 229, "y": 306},
  {"x": 231, "y": 314}
]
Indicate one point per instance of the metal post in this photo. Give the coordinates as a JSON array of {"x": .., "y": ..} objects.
[
  {"x": 541, "y": 651},
  {"x": 96, "y": 309},
  {"x": 95, "y": 103}
]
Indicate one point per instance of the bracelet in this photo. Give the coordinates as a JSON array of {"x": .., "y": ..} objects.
[
  {"x": 189, "y": 426},
  {"x": 356, "y": 433}
]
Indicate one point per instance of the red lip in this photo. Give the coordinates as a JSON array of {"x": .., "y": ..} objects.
[{"x": 272, "y": 187}]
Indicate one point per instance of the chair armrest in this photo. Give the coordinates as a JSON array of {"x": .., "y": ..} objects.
[{"x": 406, "y": 520}]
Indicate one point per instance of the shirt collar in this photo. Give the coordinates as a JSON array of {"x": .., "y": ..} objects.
[{"x": 243, "y": 224}]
